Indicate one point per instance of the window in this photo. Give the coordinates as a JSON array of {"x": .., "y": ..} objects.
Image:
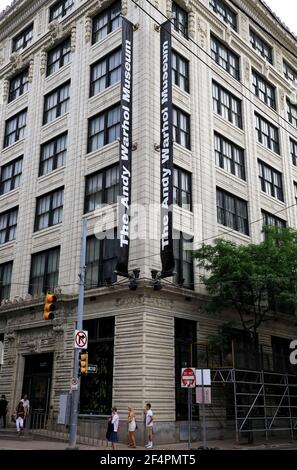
[
  {"x": 53, "y": 154},
  {"x": 18, "y": 85},
  {"x": 232, "y": 212},
  {"x": 8, "y": 225},
  {"x": 295, "y": 190},
  {"x": 49, "y": 209},
  {"x": 58, "y": 56},
  {"x": 261, "y": 46},
  {"x": 44, "y": 271},
  {"x": 10, "y": 175},
  {"x": 15, "y": 128},
  {"x": 293, "y": 146},
  {"x": 102, "y": 187},
  {"x": 227, "y": 105},
  {"x": 106, "y": 22},
  {"x": 271, "y": 181},
  {"x": 56, "y": 103},
  {"x": 181, "y": 128},
  {"x": 292, "y": 113},
  {"x": 101, "y": 260},
  {"x": 229, "y": 156},
  {"x": 290, "y": 73},
  {"x": 267, "y": 134},
  {"x": 180, "y": 19},
  {"x": 270, "y": 219},
  {"x": 182, "y": 188},
  {"x": 104, "y": 128},
  {"x": 105, "y": 72},
  {"x": 224, "y": 57},
  {"x": 183, "y": 257},
  {"x": 180, "y": 71},
  {"x": 264, "y": 90},
  {"x": 23, "y": 39},
  {"x": 60, "y": 9},
  {"x": 5, "y": 280},
  {"x": 224, "y": 12}
]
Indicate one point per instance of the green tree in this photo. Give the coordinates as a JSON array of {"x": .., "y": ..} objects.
[{"x": 258, "y": 281}]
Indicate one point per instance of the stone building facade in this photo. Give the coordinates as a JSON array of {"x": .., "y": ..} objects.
[{"x": 235, "y": 149}]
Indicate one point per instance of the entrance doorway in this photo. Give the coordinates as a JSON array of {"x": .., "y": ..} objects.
[{"x": 37, "y": 382}]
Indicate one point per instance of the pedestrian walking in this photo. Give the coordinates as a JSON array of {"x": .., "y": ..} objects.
[
  {"x": 149, "y": 424},
  {"x": 131, "y": 427},
  {"x": 20, "y": 414},
  {"x": 26, "y": 405},
  {"x": 115, "y": 420},
  {"x": 3, "y": 409},
  {"x": 109, "y": 430}
]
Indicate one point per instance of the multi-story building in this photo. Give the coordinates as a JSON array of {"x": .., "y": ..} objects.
[{"x": 235, "y": 167}]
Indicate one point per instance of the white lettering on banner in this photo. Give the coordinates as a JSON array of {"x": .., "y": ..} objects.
[{"x": 165, "y": 72}]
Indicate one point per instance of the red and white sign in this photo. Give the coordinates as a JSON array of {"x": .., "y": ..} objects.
[
  {"x": 188, "y": 378},
  {"x": 81, "y": 339}
]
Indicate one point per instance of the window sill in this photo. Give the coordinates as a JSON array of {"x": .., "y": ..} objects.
[
  {"x": 17, "y": 100},
  {"x": 54, "y": 121},
  {"x": 42, "y": 178},
  {"x": 55, "y": 75},
  {"x": 12, "y": 146},
  {"x": 103, "y": 149},
  {"x": 9, "y": 194},
  {"x": 5, "y": 246},
  {"x": 272, "y": 199},
  {"x": 224, "y": 230},
  {"x": 47, "y": 231}
]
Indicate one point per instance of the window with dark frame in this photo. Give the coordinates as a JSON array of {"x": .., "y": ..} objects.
[
  {"x": 271, "y": 181},
  {"x": 232, "y": 212},
  {"x": 101, "y": 260},
  {"x": 104, "y": 128},
  {"x": 18, "y": 85},
  {"x": 261, "y": 46},
  {"x": 8, "y": 225},
  {"x": 290, "y": 73},
  {"x": 225, "y": 57},
  {"x": 60, "y": 9},
  {"x": 181, "y": 128},
  {"x": 49, "y": 209},
  {"x": 267, "y": 134},
  {"x": 183, "y": 257},
  {"x": 180, "y": 71},
  {"x": 53, "y": 154},
  {"x": 293, "y": 147},
  {"x": 229, "y": 156},
  {"x": 5, "y": 280},
  {"x": 227, "y": 105},
  {"x": 22, "y": 40},
  {"x": 180, "y": 19},
  {"x": 15, "y": 128},
  {"x": 106, "y": 72},
  {"x": 292, "y": 113},
  {"x": 59, "y": 56},
  {"x": 182, "y": 188},
  {"x": 56, "y": 103},
  {"x": 271, "y": 219},
  {"x": 10, "y": 175},
  {"x": 224, "y": 12},
  {"x": 107, "y": 21},
  {"x": 263, "y": 90},
  {"x": 102, "y": 187},
  {"x": 44, "y": 273}
]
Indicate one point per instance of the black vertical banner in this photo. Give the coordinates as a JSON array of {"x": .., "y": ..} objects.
[
  {"x": 166, "y": 152},
  {"x": 124, "y": 200}
]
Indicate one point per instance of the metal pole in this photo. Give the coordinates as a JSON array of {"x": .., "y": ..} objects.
[
  {"x": 189, "y": 417},
  {"x": 203, "y": 410},
  {"x": 79, "y": 325}
]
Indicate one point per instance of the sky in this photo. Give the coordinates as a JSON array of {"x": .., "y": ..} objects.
[{"x": 285, "y": 9}]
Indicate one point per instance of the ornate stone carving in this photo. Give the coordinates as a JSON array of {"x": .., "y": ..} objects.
[
  {"x": 10, "y": 336},
  {"x": 202, "y": 31},
  {"x": 88, "y": 28},
  {"x": 124, "y": 7},
  {"x": 16, "y": 60},
  {"x": 73, "y": 38},
  {"x": 282, "y": 97},
  {"x": 168, "y": 8},
  {"x": 43, "y": 61},
  {"x": 192, "y": 24},
  {"x": 228, "y": 35},
  {"x": 5, "y": 90},
  {"x": 31, "y": 71},
  {"x": 34, "y": 345},
  {"x": 56, "y": 30},
  {"x": 246, "y": 69}
]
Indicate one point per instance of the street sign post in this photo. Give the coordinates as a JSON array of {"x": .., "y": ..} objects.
[
  {"x": 81, "y": 339},
  {"x": 92, "y": 369},
  {"x": 203, "y": 393}
]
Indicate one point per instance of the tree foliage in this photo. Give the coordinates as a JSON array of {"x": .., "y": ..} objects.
[{"x": 258, "y": 281}]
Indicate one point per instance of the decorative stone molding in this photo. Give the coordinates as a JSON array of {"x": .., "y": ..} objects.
[
  {"x": 202, "y": 31},
  {"x": 266, "y": 69},
  {"x": 192, "y": 24},
  {"x": 56, "y": 30},
  {"x": 31, "y": 69},
  {"x": 88, "y": 28},
  {"x": 10, "y": 336},
  {"x": 5, "y": 90},
  {"x": 246, "y": 69},
  {"x": 282, "y": 97},
  {"x": 73, "y": 38},
  {"x": 34, "y": 345},
  {"x": 228, "y": 35},
  {"x": 43, "y": 61},
  {"x": 124, "y": 7},
  {"x": 16, "y": 60},
  {"x": 168, "y": 8}
]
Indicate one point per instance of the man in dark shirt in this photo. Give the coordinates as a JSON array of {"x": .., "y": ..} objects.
[{"x": 3, "y": 409}]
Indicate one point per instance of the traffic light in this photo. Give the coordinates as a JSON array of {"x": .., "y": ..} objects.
[
  {"x": 49, "y": 306},
  {"x": 83, "y": 362}
]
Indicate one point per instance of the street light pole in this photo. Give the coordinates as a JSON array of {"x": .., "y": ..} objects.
[{"x": 79, "y": 326}]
